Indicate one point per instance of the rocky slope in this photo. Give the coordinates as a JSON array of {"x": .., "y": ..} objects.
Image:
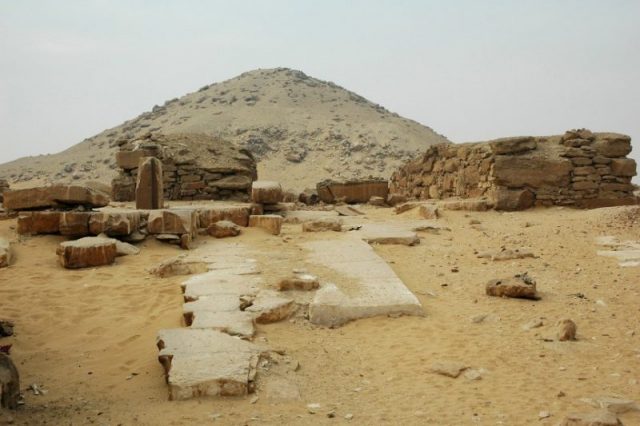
[{"x": 301, "y": 130}]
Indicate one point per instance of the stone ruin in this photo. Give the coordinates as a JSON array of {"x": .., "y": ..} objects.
[
  {"x": 580, "y": 169},
  {"x": 194, "y": 167}
]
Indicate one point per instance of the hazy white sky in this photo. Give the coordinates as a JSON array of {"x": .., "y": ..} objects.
[{"x": 472, "y": 70}]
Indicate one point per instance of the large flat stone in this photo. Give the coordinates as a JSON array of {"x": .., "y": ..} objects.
[
  {"x": 234, "y": 323},
  {"x": 368, "y": 286},
  {"x": 201, "y": 362},
  {"x": 375, "y": 233},
  {"x": 215, "y": 283},
  {"x": 87, "y": 252},
  {"x": 53, "y": 196}
]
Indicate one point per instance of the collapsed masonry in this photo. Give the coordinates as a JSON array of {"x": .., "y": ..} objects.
[
  {"x": 194, "y": 167},
  {"x": 580, "y": 168}
]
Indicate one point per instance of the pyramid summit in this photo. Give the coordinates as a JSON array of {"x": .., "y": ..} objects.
[{"x": 299, "y": 128}]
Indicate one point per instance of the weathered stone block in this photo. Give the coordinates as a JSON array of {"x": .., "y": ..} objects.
[
  {"x": 149, "y": 185},
  {"x": 74, "y": 224},
  {"x": 352, "y": 191},
  {"x": 114, "y": 223},
  {"x": 513, "y": 199},
  {"x": 53, "y": 196},
  {"x": 514, "y": 145},
  {"x": 266, "y": 192},
  {"x": 173, "y": 222},
  {"x": 238, "y": 215},
  {"x": 6, "y": 253},
  {"x": 270, "y": 222},
  {"x": 531, "y": 171},
  {"x": 39, "y": 222},
  {"x": 129, "y": 159},
  {"x": 613, "y": 144},
  {"x": 623, "y": 167},
  {"x": 87, "y": 252}
]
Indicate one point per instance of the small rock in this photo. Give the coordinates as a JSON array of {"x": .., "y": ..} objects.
[
  {"x": 595, "y": 418},
  {"x": 566, "y": 330},
  {"x": 477, "y": 319},
  {"x": 534, "y": 323},
  {"x": 313, "y": 408},
  {"x": 348, "y": 416},
  {"x": 520, "y": 286},
  {"x": 544, "y": 414},
  {"x": 448, "y": 368},
  {"x": 473, "y": 374}
]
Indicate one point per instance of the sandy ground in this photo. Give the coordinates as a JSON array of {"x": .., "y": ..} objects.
[{"x": 82, "y": 335}]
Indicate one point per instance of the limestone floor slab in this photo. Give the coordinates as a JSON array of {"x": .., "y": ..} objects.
[
  {"x": 368, "y": 286},
  {"x": 234, "y": 323},
  {"x": 201, "y": 362},
  {"x": 215, "y": 283}
]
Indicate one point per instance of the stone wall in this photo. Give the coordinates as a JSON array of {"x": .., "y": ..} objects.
[
  {"x": 195, "y": 167},
  {"x": 579, "y": 168}
]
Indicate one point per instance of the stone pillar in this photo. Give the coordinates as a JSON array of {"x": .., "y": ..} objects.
[{"x": 149, "y": 189}]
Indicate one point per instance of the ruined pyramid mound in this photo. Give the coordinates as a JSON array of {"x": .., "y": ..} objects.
[{"x": 300, "y": 129}]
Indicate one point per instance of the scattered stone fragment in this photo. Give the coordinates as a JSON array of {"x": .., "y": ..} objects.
[
  {"x": 520, "y": 286},
  {"x": 269, "y": 306},
  {"x": 270, "y": 222},
  {"x": 388, "y": 234},
  {"x": 324, "y": 224},
  {"x": 86, "y": 252},
  {"x": 223, "y": 229},
  {"x": 313, "y": 408},
  {"x": 303, "y": 282},
  {"x": 266, "y": 192},
  {"x": 348, "y": 211},
  {"x": 405, "y": 207},
  {"x": 448, "y": 368},
  {"x": 429, "y": 211},
  {"x": 613, "y": 404},
  {"x": 507, "y": 254},
  {"x": 566, "y": 330},
  {"x": 595, "y": 418},
  {"x": 377, "y": 201},
  {"x": 9, "y": 383},
  {"x": 534, "y": 323},
  {"x": 474, "y": 374},
  {"x": 6, "y": 253}
]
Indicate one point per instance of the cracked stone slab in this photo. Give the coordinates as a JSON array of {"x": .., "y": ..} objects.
[
  {"x": 218, "y": 303},
  {"x": 377, "y": 233},
  {"x": 215, "y": 283},
  {"x": 234, "y": 323},
  {"x": 200, "y": 362},
  {"x": 269, "y": 306},
  {"x": 368, "y": 287}
]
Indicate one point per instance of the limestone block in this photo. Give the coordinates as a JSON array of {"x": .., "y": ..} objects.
[
  {"x": 301, "y": 281},
  {"x": 269, "y": 306},
  {"x": 623, "y": 167},
  {"x": 352, "y": 191},
  {"x": 236, "y": 214},
  {"x": 174, "y": 221},
  {"x": 323, "y": 224},
  {"x": 53, "y": 196},
  {"x": 428, "y": 211},
  {"x": 39, "y": 222},
  {"x": 201, "y": 362},
  {"x": 74, "y": 224},
  {"x": 266, "y": 192},
  {"x": 513, "y": 145},
  {"x": 513, "y": 199},
  {"x": 223, "y": 229},
  {"x": 87, "y": 252},
  {"x": 270, "y": 222},
  {"x": 520, "y": 286},
  {"x": 237, "y": 182},
  {"x": 149, "y": 184},
  {"x": 129, "y": 159},
  {"x": 6, "y": 253},
  {"x": 612, "y": 144},
  {"x": 233, "y": 323},
  {"x": 114, "y": 223},
  {"x": 525, "y": 170}
]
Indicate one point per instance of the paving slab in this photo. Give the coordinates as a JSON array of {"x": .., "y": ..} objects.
[
  {"x": 269, "y": 306},
  {"x": 369, "y": 287},
  {"x": 216, "y": 283},
  {"x": 201, "y": 362},
  {"x": 234, "y": 323}
]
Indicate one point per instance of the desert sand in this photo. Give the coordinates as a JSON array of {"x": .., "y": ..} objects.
[{"x": 87, "y": 337}]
